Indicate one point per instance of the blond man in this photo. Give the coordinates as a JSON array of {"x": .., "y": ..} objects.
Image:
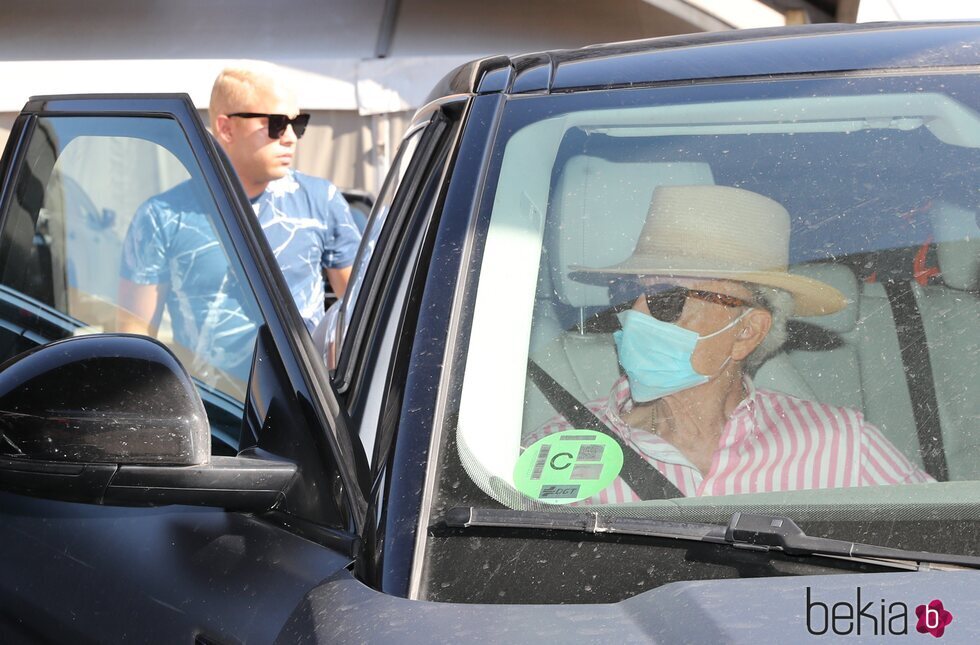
[
  {"x": 170, "y": 257},
  {"x": 255, "y": 118}
]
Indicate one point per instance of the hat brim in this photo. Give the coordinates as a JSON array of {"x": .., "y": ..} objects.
[{"x": 810, "y": 297}]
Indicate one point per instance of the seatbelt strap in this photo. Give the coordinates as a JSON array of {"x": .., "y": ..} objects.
[
  {"x": 640, "y": 475},
  {"x": 918, "y": 376}
]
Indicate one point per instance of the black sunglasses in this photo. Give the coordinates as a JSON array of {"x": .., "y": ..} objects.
[
  {"x": 666, "y": 301},
  {"x": 279, "y": 122}
]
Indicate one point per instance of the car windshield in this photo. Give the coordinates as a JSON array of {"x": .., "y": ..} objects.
[{"x": 685, "y": 301}]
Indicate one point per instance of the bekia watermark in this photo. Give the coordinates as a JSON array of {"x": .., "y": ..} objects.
[
  {"x": 933, "y": 618},
  {"x": 876, "y": 617}
]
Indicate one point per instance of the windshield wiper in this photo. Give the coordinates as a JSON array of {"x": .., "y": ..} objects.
[{"x": 749, "y": 531}]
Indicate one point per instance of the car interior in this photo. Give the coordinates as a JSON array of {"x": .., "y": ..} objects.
[
  {"x": 851, "y": 358},
  {"x": 900, "y": 240}
]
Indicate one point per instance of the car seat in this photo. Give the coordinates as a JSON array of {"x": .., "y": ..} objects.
[{"x": 596, "y": 214}]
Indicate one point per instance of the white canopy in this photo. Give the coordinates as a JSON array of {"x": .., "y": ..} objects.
[
  {"x": 369, "y": 86},
  {"x": 373, "y": 56}
]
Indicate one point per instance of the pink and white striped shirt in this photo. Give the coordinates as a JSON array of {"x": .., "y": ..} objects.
[{"x": 771, "y": 442}]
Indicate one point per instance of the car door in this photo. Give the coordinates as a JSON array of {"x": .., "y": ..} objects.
[{"x": 80, "y": 175}]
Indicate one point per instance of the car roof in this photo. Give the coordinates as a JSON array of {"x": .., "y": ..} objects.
[{"x": 728, "y": 54}]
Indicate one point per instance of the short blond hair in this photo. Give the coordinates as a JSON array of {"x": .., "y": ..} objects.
[{"x": 237, "y": 85}]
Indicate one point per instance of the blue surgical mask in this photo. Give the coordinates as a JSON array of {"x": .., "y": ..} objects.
[{"x": 657, "y": 355}]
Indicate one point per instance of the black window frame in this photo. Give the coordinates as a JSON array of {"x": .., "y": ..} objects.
[{"x": 436, "y": 132}]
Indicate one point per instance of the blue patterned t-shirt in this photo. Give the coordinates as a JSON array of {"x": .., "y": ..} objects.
[
  {"x": 171, "y": 241},
  {"x": 309, "y": 227}
]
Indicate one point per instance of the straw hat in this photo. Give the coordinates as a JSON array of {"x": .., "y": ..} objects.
[{"x": 723, "y": 233}]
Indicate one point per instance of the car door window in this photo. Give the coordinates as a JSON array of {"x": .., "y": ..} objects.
[
  {"x": 112, "y": 228},
  {"x": 376, "y": 224}
]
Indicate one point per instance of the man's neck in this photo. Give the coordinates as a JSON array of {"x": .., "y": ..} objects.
[
  {"x": 253, "y": 190},
  {"x": 717, "y": 398},
  {"x": 703, "y": 410}
]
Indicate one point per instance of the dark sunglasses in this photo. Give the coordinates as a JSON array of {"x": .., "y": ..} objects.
[
  {"x": 666, "y": 301},
  {"x": 279, "y": 122}
]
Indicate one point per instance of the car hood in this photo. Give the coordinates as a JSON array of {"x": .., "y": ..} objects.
[{"x": 753, "y": 610}]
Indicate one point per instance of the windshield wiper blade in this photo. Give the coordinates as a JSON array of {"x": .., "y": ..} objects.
[
  {"x": 749, "y": 531},
  {"x": 765, "y": 532},
  {"x": 584, "y": 521}
]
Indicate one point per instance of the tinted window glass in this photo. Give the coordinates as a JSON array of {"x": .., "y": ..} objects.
[
  {"x": 114, "y": 229},
  {"x": 726, "y": 276}
]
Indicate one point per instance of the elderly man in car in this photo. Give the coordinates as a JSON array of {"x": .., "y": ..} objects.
[{"x": 711, "y": 295}]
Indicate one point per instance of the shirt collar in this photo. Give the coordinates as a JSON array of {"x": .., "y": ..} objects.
[
  {"x": 620, "y": 402},
  {"x": 747, "y": 404}
]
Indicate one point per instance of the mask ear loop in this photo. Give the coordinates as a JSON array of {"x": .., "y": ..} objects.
[
  {"x": 725, "y": 328},
  {"x": 728, "y": 326}
]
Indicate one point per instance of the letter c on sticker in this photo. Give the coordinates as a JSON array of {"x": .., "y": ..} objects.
[
  {"x": 554, "y": 460},
  {"x": 565, "y": 465}
]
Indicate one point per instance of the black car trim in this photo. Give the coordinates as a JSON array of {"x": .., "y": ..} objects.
[
  {"x": 341, "y": 542},
  {"x": 340, "y": 442},
  {"x": 451, "y": 254},
  {"x": 790, "y": 53},
  {"x": 17, "y": 145},
  {"x": 532, "y": 74},
  {"x": 364, "y": 318},
  {"x": 435, "y": 123},
  {"x": 15, "y": 148},
  {"x": 425, "y": 113},
  {"x": 393, "y": 303},
  {"x": 350, "y": 313},
  {"x": 787, "y": 76},
  {"x": 411, "y": 265},
  {"x": 821, "y": 40}
]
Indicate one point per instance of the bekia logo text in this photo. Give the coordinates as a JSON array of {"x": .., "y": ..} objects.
[{"x": 864, "y": 617}]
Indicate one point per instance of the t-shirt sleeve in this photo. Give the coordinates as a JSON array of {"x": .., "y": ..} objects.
[
  {"x": 345, "y": 237},
  {"x": 144, "y": 256}
]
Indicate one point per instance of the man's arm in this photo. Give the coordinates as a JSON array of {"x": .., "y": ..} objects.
[
  {"x": 140, "y": 307},
  {"x": 339, "y": 251},
  {"x": 338, "y": 279},
  {"x": 143, "y": 278}
]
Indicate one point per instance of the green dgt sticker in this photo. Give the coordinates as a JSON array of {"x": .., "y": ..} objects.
[{"x": 568, "y": 466}]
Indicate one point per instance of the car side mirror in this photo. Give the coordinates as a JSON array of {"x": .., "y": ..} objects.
[{"x": 116, "y": 419}]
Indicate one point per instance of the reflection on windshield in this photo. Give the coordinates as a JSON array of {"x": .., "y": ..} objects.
[{"x": 735, "y": 294}]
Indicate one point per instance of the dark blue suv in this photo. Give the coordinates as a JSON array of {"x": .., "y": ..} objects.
[{"x": 511, "y": 429}]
